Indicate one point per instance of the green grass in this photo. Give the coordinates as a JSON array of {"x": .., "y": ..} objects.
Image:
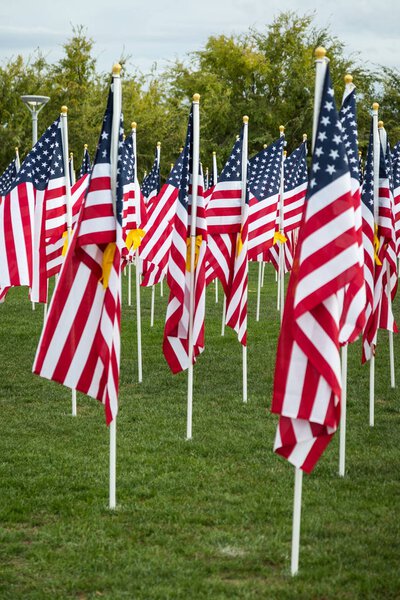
[{"x": 210, "y": 518}]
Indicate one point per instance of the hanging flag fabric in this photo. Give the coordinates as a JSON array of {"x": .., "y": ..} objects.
[
  {"x": 80, "y": 343},
  {"x": 176, "y": 331},
  {"x": 307, "y": 384},
  {"x": 264, "y": 184},
  {"x": 396, "y": 193},
  {"x": 151, "y": 183},
  {"x": 8, "y": 177},
  {"x": 295, "y": 187},
  {"x": 86, "y": 167}
]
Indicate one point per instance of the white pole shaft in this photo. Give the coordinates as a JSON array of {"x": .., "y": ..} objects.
[
  {"x": 216, "y": 290},
  {"x": 17, "y": 160},
  {"x": 68, "y": 204},
  {"x": 153, "y": 293},
  {"x": 129, "y": 284},
  {"x": 391, "y": 354},
  {"x": 113, "y": 464},
  {"x": 244, "y": 212},
  {"x": 72, "y": 170},
  {"x": 377, "y": 150},
  {"x": 223, "y": 316},
  {"x": 298, "y": 485},
  {"x": 281, "y": 228},
  {"x": 372, "y": 391},
  {"x": 215, "y": 169},
  {"x": 114, "y": 167},
  {"x": 138, "y": 317},
  {"x": 343, "y": 407},
  {"x": 278, "y": 295},
  {"x": 263, "y": 274},
  {"x": 195, "y": 182},
  {"x": 260, "y": 266},
  {"x": 34, "y": 127}
]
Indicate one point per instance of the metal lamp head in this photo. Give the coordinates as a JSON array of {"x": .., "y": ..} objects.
[{"x": 35, "y": 103}]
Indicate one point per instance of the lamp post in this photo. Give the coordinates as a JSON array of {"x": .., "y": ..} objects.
[{"x": 34, "y": 105}]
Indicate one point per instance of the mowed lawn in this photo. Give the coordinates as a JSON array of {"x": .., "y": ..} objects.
[{"x": 209, "y": 518}]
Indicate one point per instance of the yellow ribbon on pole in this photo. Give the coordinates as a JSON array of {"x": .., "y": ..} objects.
[
  {"x": 239, "y": 244},
  {"x": 279, "y": 237},
  {"x": 65, "y": 247},
  {"x": 376, "y": 247},
  {"x": 198, "y": 241},
  {"x": 134, "y": 238},
  {"x": 108, "y": 259}
]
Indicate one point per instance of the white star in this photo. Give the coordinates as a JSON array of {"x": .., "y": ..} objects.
[{"x": 330, "y": 169}]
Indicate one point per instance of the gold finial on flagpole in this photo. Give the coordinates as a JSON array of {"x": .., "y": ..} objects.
[
  {"x": 181, "y": 149},
  {"x": 85, "y": 146},
  {"x": 64, "y": 110},
  {"x": 116, "y": 70},
  {"x": 320, "y": 52},
  {"x": 71, "y": 155},
  {"x": 196, "y": 98},
  {"x": 16, "y": 149},
  {"x": 348, "y": 78},
  {"x": 375, "y": 106},
  {"x": 214, "y": 153},
  {"x": 133, "y": 125},
  {"x": 172, "y": 166},
  {"x": 265, "y": 146},
  {"x": 281, "y": 129},
  {"x": 245, "y": 119},
  {"x": 158, "y": 144},
  {"x": 285, "y": 153},
  {"x": 380, "y": 124},
  {"x": 304, "y": 137}
]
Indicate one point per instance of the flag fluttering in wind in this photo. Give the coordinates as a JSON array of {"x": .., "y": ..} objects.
[
  {"x": 151, "y": 183},
  {"x": 177, "y": 324},
  {"x": 8, "y": 177},
  {"x": 295, "y": 187},
  {"x": 80, "y": 343},
  {"x": 307, "y": 385},
  {"x": 396, "y": 193}
]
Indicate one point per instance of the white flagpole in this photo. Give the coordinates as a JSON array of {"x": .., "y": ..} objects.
[
  {"x": 64, "y": 138},
  {"x": 72, "y": 170},
  {"x": 320, "y": 68},
  {"x": 114, "y": 165},
  {"x": 17, "y": 160},
  {"x": 129, "y": 284},
  {"x": 383, "y": 140},
  {"x": 137, "y": 262},
  {"x": 263, "y": 274},
  {"x": 376, "y": 147},
  {"x": 195, "y": 182},
  {"x": 281, "y": 226},
  {"x": 260, "y": 267},
  {"x": 244, "y": 194},
  {"x": 343, "y": 410},
  {"x": 223, "y": 316}
]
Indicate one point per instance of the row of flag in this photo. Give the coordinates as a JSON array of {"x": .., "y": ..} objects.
[{"x": 337, "y": 228}]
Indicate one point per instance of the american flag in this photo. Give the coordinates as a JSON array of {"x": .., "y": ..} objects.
[
  {"x": 396, "y": 193},
  {"x": 156, "y": 244},
  {"x": 264, "y": 186},
  {"x": 353, "y": 316},
  {"x": 80, "y": 343},
  {"x": 33, "y": 202},
  {"x": 151, "y": 183},
  {"x": 85, "y": 166},
  {"x": 307, "y": 386},
  {"x": 8, "y": 177},
  {"x": 370, "y": 256},
  {"x": 224, "y": 217},
  {"x": 176, "y": 332},
  {"x": 295, "y": 187}
]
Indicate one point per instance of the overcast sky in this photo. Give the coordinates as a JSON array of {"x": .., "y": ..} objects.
[{"x": 159, "y": 31}]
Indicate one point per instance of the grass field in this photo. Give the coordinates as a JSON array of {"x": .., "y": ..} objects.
[{"x": 210, "y": 518}]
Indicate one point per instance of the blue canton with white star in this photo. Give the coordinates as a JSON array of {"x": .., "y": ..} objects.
[
  {"x": 396, "y": 165},
  {"x": 85, "y": 166},
  {"x": 8, "y": 177},
  {"x": 44, "y": 161},
  {"x": 295, "y": 168},
  {"x": 367, "y": 190},
  {"x": 348, "y": 118},
  {"x": 232, "y": 170},
  {"x": 329, "y": 160},
  {"x": 264, "y": 177},
  {"x": 152, "y": 180}
]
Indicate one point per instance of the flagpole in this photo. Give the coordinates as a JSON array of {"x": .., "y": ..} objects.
[
  {"x": 281, "y": 224},
  {"x": 320, "y": 68},
  {"x": 223, "y": 316},
  {"x": 244, "y": 196},
  {"x": 114, "y": 168},
  {"x": 195, "y": 182},
  {"x": 68, "y": 202},
  {"x": 376, "y": 147},
  {"x": 383, "y": 140},
  {"x": 137, "y": 262},
  {"x": 17, "y": 160},
  {"x": 260, "y": 264},
  {"x": 215, "y": 177},
  {"x": 72, "y": 170},
  {"x": 343, "y": 410}
]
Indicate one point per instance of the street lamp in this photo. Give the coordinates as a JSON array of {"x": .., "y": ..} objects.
[{"x": 35, "y": 105}]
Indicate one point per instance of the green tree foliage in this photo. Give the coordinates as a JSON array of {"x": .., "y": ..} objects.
[{"x": 267, "y": 74}]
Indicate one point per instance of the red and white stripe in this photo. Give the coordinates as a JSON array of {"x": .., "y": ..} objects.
[
  {"x": 80, "y": 343},
  {"x": 293, "y": 207},
  {"x": 261, "y": 225},
  {"x": 224, "y": 208}
]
